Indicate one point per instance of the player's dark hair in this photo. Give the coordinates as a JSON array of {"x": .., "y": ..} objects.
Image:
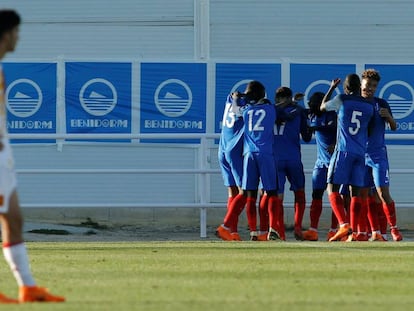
[
  {"x": 314, "y": 102},
  {"x": 352, "y": 84},
  {"x": 8, "y": 20},
  {"x": 283, "y": 91},
  {"x": 256, "y": 90}
]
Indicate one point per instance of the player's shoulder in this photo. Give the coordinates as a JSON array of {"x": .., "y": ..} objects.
[{"x": 381, "y": 102}]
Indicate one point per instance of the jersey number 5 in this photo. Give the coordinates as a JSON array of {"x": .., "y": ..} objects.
[{"x": 356, "y": 121}]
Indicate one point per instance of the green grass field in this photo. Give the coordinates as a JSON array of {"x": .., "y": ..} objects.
[{"x": 219, "y": 275}]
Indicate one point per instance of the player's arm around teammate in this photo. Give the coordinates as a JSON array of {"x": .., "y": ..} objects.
[{"x": 259, "y": 116}]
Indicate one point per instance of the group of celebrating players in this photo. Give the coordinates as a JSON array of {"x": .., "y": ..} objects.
[{"x": 260, "y": 149}]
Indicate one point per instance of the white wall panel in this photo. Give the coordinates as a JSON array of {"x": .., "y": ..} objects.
[
  {"x": 105, "y": 29},
  {"x": 324, "y": 30}
]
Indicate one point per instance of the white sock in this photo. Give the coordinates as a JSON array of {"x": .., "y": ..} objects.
[{"x": 16, "y": 257}]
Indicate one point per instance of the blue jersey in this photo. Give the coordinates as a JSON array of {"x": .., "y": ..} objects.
[
  {"x": 324, "y": 126},
  {"x": 376, "y": 140},
  {"x": 259, "y": 119},
  {"x": 232, "y": 129},
  {"x": 291, "y": 124},
  {"x": 354, "y": 117}
]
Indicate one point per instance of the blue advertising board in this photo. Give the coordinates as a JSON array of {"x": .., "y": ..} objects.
[
  {"x": 235, "y": 77},
  {"x": 311, "y": 78},
  {"x": 30, "y": 98},
  {"x": 173, "y": 98},
  {"x": 98, "y": 97},
  {"x": 397, "y": 88}
]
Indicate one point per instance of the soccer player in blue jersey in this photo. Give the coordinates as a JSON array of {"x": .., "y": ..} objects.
[
  {"x": 324, "y": 126},
  {"x": 230, "y": 155},
  {"x": 291, "y": 125},
  {"x": 376, "y": 155},
  {"x": 259, "y": 116},
  {"x": 347, "y": 165}
]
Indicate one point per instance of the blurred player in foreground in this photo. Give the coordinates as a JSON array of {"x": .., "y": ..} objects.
[{"x": 14, "y": 249}]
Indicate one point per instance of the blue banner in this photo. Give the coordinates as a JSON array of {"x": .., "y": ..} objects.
[
  {"x": 31, "y": 98},
  {"x": 234, "y": 77},
  {"x": 311, "y": 78},
  {"x": 173, "y": 98},
  {"x": 98, "y": 97},
  {"x": 397, "y": 88}
]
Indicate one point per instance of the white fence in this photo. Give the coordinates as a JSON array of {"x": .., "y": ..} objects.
[{"x": 204, "y": 168}]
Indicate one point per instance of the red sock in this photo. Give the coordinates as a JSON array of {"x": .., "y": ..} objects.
[
  {"x": 229, "y": 200},
  {"x": 355, "y": 209},
  {"x": 362, "y": 223},
  {"x": 382, "y": 219},
  {"x": 264, "y": 213},
  {"x": 251, "y": 213},
  {"x": 315, "y": 212},
  {"x": 334, "y": 221},
  {"x": 281, "y": 221},
  {"x": 275, "y": 208},
  {"x": 373, "y": 214},
  {"x": 337, "y": 204},
  {"x": 232, "y": 216},
  {"x": 300, "y": 205},
  {"x": 276, "y": 220},
  {"x": 389, "y": 210},
  {"x": 347, "y": 203}
]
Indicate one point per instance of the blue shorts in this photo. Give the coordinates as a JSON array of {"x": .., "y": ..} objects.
[
  {"x": 231, "y": 165},
  {"x": 293, "y": 172},
  {"x": 379, "y": 169},
  {"x": 259, "y": 167},
  {"x": 368, "y": 179},
  {"x": 346, "y": 168},
  {"x": 319, "y": 177},
  {"x": 344, "y": 190}
]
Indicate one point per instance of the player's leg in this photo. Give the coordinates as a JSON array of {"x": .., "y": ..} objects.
[
  {"x": 251, "y": 213},
  {"x": 269, "y": 178},
  {"x": 263, "y": 216},
  {"x": 381, "y": 180},
  {"x": 337, "y": 204},
  {"x": 15, "y": 253},
  {"x": 315, "y": 212},
  {"x": 318, "y": 185},
  {"x": 388, "y": 206},
  {"x": 296, "y": 178},
  {"x": 279, "y": 217},
  {"x": 338, "y": 173}
]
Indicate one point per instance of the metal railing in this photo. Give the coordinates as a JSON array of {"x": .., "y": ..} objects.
[{"x": 202, "y": 170}]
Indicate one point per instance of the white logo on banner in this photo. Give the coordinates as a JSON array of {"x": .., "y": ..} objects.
[
  {"x": 21, "y": 101},
  {"x": 401, "y": 106},
  {"x": 170, "y": 100},
  {"x": 309, "y": 92},
  {"x": 98, "y": 101}
]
